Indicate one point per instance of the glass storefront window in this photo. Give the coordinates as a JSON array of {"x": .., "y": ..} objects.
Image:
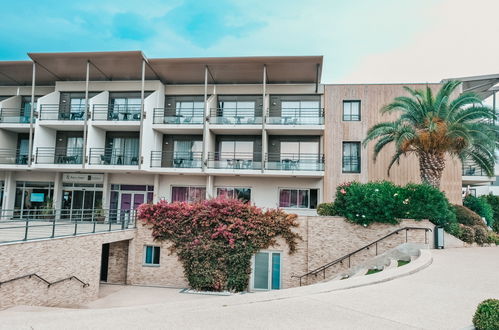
[{"x": 33, "y": 195}]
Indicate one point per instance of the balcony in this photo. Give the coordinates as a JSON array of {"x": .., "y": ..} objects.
[
  {"x": 13, "y": 116},
  {"x": 53, "y": 112},
  {"x": 297, "y": 116},
  {"x": 109, "y": 156},
  {"x": 172, "y": 117},
  {"x": 177, "y": 159},
  {"x": 116, "y": 112},
  {"x": 66, "y": 156},
  {"x": 13, "y": 157},
  {"x": 234, "y": 161},
  {"x": 473, "y": 174},
  {"x": 294, "y": 162},
  {"x": 234, "y": 116}
]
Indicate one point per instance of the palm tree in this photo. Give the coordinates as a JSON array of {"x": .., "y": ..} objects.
[{"x": 431, "y": 126}]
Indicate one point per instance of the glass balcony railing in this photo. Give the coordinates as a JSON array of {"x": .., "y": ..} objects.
[
  {"x": 302, "y": 116},
  {"x": 53, "y": 112},
  {"x": 294, "y": 162},
  {"x": 471, "y": 169},
  {"x": 109, "y": 156},
  {"x": 177, "y": 159},
  {"x": 237, "y": 160},
  {"x": 51, "y": 155},
  {"x": 13, "y": 156},
  {"x": 14, "y": 116},
  {"x": 233, "y": 116},
  {"x": 175, "y": 117},
  {"x": 116, "y": 112}
]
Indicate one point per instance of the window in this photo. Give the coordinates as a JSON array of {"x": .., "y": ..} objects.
[
  {"x": 188, "y": 194},
  {"x": 351, "y": 110},
  {"x": 241, "y": 149},
  {"x": 189, "y": 108},
  {"x": 298, "y": 198},
  {"x": 243, "y": 194},
  {"x": 351, "y": 157},
  {"x": 151, "y": 255},
  {"x": 266, "y": 271}
]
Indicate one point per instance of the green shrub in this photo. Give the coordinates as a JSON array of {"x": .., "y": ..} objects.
[
  {"x": 467, "y": 234},
  {"x": 467, "y": 217},
  {"x": 454, "y": 229},
  {"x": 426, "y": 202},
  {"x": 481, "y": 207},
  {"x": 481, "y": 235},
  {"x": 493, "y": 238},
  {"x": 487, "y": 315},
  {"x": 326, "y": 209},
  {"x": 369, "y": 202},
  {"x": 494, "y": 203},
  {"x": 386, "y": 202}
]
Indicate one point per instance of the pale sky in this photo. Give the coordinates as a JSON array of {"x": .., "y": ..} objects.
[{"x": 363, "y": 41}]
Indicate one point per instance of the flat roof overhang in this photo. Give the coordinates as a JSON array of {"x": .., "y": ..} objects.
[
  {"x": 483, "y": 85},
  {"x": 127, "y": 65}
]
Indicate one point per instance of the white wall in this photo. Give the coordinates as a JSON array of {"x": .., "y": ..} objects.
[
  {"x": 13, "y": 102},
  {"x": 8, "y": 139},
  {"x": 96, "y": 137},
  {"x": 151, "y": 139}
]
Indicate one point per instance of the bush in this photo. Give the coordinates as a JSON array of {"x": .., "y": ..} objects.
[
  {"x": 454, "y": 229},
  {"x": 467, "y": 234},
  {"x": 493, "y": 238},
  {"x": 481, "y": 207},
  {"x": 494, "y": 203},
  {"x": 487, "y": 315},
  {"x": 326, "y": 209},
  {"x": 481, "y": 235},
  {"x": 385, "y": 202},
  {"x": 215, "y": 239},
  {"x": 467, "y": 217}
]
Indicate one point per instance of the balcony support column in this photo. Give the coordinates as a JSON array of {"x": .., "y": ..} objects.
[
  {"x": 155, "y": 196},
  {"x": 205, "y": 123},
  {"x": 142, "y": 113},
  {"x": 264, "y": 117},
  {"x": 87, "y": 112},
  {"x": 32, "y": 113}
]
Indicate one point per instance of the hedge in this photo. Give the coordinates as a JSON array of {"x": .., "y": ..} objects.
[
  {"x": 494, "y": 203},
  {"x": 481, "y": 207}
]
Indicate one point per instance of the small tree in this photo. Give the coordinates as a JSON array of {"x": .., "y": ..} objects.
[{"x": 215, "y": 239}]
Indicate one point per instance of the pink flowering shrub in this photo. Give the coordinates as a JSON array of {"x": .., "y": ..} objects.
[{"x": 215, "y": 239}]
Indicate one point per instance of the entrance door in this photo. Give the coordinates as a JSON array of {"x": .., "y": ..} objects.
[
  {"x": 104, "y": 262},
  {"x": 267, "y": 271}
]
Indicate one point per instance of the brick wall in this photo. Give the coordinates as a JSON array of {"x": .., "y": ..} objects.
[{"x": 118, "y": 261}]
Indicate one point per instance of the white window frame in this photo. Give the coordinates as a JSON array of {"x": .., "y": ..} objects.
[
  {"x": 145, "y": 253},
  {"x": 186, "y": 186},
  {"x": 252, "y": 277}
]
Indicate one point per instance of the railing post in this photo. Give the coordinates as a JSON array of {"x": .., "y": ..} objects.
[
  {"x": 376, "y": 248},
  {"x": 76, "y": 227},
  {"x": 53, "y": 228},
  {"x": 110, "y": 219},
  {"x": 26, "y": 230},
  {"x": 406, "y": 230},
  {"x": 349, "y": 261}
]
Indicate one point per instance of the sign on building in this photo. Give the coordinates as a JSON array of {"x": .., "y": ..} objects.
[{"x": 82, "y": 178}]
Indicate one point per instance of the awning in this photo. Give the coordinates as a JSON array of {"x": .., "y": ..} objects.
[
  {"x": 20, "y": 73},
  {"x": 483, "y": 85}
]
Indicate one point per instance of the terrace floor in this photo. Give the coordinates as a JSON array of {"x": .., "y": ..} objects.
[{"x": 441, "y": 296}]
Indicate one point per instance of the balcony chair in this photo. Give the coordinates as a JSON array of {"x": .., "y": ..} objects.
[
  {"x": 113, "y": 116},
  {"x": 64, "y": 116},
  {"x": 105, "y": 159},
  {"x": 77, "y": 115},
  {"x": 136, "y": 116}
]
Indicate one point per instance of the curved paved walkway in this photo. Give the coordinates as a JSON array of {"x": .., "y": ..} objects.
[{"x": 442, "y": 296}]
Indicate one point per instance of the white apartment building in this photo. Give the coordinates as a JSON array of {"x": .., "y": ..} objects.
[{"x": 113, "y": 130}]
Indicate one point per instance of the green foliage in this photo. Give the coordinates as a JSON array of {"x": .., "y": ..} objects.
[
  {"x": 487, "y": 315},
  {"x": 467, "y": 234},
  {"x": 454, "y": 229},
  {"x": 386, "y": 202},
  {"x": 481, "y": 235},
  {"x": 215, "y": 239},
  {"x": 438, "y": 124},
  {"x": 326, "y": 209},
  {"x": 481, "y": 207},
  {"x": 494, "y": 203},
  {"x": 493, "y": 238},
  {"x": 467, "y": 217}
]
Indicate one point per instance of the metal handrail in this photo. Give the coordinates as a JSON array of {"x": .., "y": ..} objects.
[
  {"x": 13, "y": 156},
  {"x": 118, "y": 112},
  {"x": 55, "y": 112},
  {"x": 323, "y": 268},
  {"x": 49, "y": 284},
  {"x": 8, "y": 113},
  {"x": 110, "y": 156},
  {"x": 53, "y": 155},
  {"x": 177, "y": 159},
  {"x": 177, "y": 116}
]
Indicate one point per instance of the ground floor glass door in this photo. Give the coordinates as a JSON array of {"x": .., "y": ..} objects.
[
  {"x": 81, "y": 203},
  {"x": 266, "y": 271}
]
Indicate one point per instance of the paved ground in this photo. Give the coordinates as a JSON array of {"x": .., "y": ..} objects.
[{"x": 442, "y": 296}]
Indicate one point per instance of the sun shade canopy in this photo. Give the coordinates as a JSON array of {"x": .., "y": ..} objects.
[
  {"x": 127, "y": 65},
  {"x": 483, "y": 85}
]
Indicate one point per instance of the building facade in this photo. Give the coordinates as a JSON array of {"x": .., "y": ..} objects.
[{"x": 113, "y": 130}]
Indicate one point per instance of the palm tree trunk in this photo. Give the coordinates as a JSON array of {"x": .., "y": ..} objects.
[{"x": 431, "y": 167}]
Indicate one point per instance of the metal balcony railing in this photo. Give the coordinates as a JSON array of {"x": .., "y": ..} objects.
[
  {"x": 235, "y": 116},
  {"x": 234, "y": 160},
  {"x": 177, "y": 159},
  {"x": 29, "y": 224},
  {"x": 109, "y": 156},
  {"x": 52, "y": 155},
  {"x": 116, "y": 112},
  {"x": 13, "y": 156},
  {"x": 297, "y": 116},
  {"x": 54, "y": 112},
  {"x": 470, "y": 168},
  {"x": 294, "y": 162},
  {"x": 14, "y": 116},
  {"x": 176, "y": 117}
]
